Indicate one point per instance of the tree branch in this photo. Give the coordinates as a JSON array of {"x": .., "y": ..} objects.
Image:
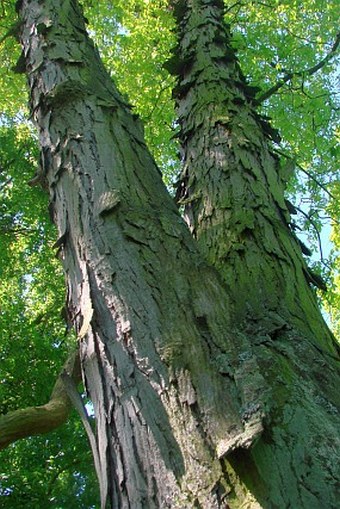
[
  {"x": 310, "y": 175},
  {"x": 320, "y": 184},
  {"x": 41, "y": 419},
  {"x": 312, "y": 222},
  {"x": 60, "y": 471},
  {"x": 306, "y": 72},
  {"x": 6, "y": 182},
  {"x": 162, "y": 89},
  {"x": 16, "y": 230}
]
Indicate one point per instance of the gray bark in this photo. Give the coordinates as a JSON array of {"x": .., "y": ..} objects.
[
  {"x": 174, "y": 388},
  {"x": 179, "y": 395}
]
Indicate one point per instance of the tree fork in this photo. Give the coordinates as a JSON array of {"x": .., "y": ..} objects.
[{"x": 159, "y": 359}]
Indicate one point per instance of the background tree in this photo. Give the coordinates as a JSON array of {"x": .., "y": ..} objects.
[{"x": 137, "y": 14}]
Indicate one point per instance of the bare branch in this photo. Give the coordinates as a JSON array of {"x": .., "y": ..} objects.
[
  {"x": 161, "y": 91},
  {"x": 16, "y": 230},
  {"x": 316, "y": 181},
  {"x": 5, "y": 183},
  {"x": 305, "y": 39},
  {"x": 239, "y": 4}
]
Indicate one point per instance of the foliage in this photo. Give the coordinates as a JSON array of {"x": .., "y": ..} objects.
[
  {"x": 29, "y": 310},
  {"x": 332, "y": 301},
  {"x": 274, "y": 39},
  {"x": 56, "y": 471},
  {"x": 13, "y": 96}
]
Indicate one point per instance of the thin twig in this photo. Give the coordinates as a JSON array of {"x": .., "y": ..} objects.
[
  {"x": 59, "y": 471},
  {"x": 163, "y": 89},
  {"x": 309, "y": 41},
  {"x": 10, "y": 230},
  {"x": 228, "y": 9},
  {"x": 316, "y": 181},
  {"x": 307, "y": 72},
  {"x": 307, "y": 216},
  {"x": 329, "y": 218},
  {"x": 281, "y": 153},
  {"x": 5, "y": 183}
]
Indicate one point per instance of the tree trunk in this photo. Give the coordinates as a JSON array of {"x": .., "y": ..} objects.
[
  {"x": 232, "y": 189},
  {"x": 175, "y": 390},
  {"x": 152, "y": 318},
  {"x": 232, "y": 185}
]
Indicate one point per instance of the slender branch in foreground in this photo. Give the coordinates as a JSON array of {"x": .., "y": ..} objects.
[
  {"x": 312, "y": 222},
  {"x": 307, "y": 72},
  {"x": 306, "y": 172},
  {"x": 37, "y": 420},
  {"x": 320, "y": 184}
]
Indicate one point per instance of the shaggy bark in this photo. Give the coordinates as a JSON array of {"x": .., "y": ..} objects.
[
  {"x": 232, "y": 183},
  {"x": 232, "y": 191},
  {"x": 178, "y": 395},
  {"x": 174, "y": 389}
]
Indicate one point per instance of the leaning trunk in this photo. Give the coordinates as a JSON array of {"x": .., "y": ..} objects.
[
  {"x": 232, "y": 191},
  {"x": 174, "y": 390}
]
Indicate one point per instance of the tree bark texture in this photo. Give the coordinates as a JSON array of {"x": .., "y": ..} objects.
[
  {"x": 232, "y": 185},
  {"x": 159, "y": 359},
  {"x": 176, "y": 391},
  {"x": 232, "y": 190}
]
